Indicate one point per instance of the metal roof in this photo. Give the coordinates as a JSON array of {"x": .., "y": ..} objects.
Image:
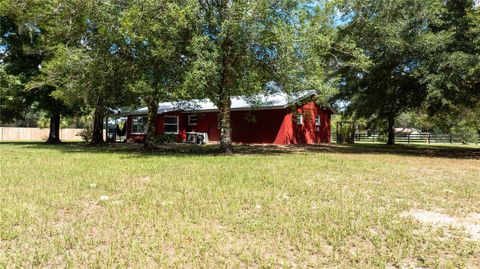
[{"x": 259, "y": 101}]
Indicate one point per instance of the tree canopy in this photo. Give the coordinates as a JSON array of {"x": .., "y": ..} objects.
[
  {"x": 248, "y": 47},
  {"x": 24, "y": 49},
  {"x": 423, "y": 55},
  {"x": 158, "y": 34},
  {"x": 381, "y": 58},
  {"x": 88, "y": 67}
]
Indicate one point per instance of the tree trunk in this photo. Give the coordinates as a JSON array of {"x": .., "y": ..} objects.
[
  {"x": 225, "y": 125},
  {"x": 97, "y": 134},
  {"x": 54, "y": 135},
  {"x": 225, "y": 102},
  {"x": 151, "y": 124},
  {"x": 391, "y": 131},
  {"x": 75, "y": 121}
]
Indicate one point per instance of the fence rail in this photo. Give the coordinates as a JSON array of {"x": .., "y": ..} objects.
[{"x": 409, "y": 138}]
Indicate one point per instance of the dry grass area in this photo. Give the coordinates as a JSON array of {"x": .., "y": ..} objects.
[{"x": 359, "y": 206}]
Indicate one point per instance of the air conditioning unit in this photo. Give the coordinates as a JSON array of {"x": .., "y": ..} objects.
[{"x": 197, "y": 138}]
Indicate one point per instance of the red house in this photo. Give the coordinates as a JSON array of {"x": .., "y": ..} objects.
[{"x": 265, "y": 119}]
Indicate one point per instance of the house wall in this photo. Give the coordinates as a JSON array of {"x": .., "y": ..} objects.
[
  {"x": 259, "y": 126},
  {"x": 269, "y": 126},
  {"x": 325, "y": 135},
  {"x": 182, "y": 122},
  {"x": 308, "y": 132},
  {"x": 206, "y": 123},
  {"x": 137, "y": 137},
  {"x": 254, "y": 126}
]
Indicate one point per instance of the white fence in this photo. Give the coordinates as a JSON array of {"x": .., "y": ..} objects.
[{"x": 36, "y": 134}]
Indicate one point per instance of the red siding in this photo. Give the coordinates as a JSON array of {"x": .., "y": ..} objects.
[
  {"x": 136, "y": 137},
  {"x": 269, "y": 126},
  {"x": 308, "y": 132},
  {"x": 182, "y": 133},
  {"x": 325, "y": 135},
  {"x": 258, "y": 126},
  {"x": 206, "y": 123}
]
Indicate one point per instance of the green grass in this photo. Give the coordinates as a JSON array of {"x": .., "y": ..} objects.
[{"x": 187, "y": 206}]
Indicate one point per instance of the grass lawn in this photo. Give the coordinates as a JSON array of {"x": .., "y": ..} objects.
[{"x": 186, "y": 206}]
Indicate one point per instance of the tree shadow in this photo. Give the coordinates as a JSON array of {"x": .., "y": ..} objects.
[
  {"x": 413, "y": 150},
  {"x": 137, "y": 150}
]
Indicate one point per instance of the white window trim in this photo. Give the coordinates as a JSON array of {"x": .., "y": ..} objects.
[
  {"x": 189, "y": 119},
  {"x": 131, "y": 127},
  {"x": 319, "y": 123},
  {"x": 299, "y": 116},
  {"x": 165, "y": 123}
]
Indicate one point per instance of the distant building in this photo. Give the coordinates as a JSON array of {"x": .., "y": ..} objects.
[{"x": 406, "y": 131}]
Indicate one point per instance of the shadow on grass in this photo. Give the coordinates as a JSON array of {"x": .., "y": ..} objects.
[{"x": 136, "y": 150}]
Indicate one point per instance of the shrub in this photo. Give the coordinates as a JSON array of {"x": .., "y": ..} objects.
[
  {"x": 382, "y": 137},
  {"x": 465, "y": 134},
  {"x": 86, "y": 134},
  {"x": 165, "y": 139}
]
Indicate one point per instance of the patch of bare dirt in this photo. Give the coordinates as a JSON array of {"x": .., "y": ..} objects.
[
  {"x": 406, "y": 264},
  {"x": 470, "y": 223},
  {"x": 92, "y": 209}
]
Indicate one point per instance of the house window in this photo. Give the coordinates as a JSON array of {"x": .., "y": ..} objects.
[
  {"x": 139, "y": 124},
  {"x": 299, "y": 119},
  {"x": 318, "y": 122},
  {"x": 171, "y": 124},
  {"x": 192, "y": 119}
]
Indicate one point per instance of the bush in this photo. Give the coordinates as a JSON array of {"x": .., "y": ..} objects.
[
  {"x": 382, "y": 137},
  {"x": 465, "y": 134},
  {"x": 165, "y": 139},
  {"x": 86, "y": 134}
]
